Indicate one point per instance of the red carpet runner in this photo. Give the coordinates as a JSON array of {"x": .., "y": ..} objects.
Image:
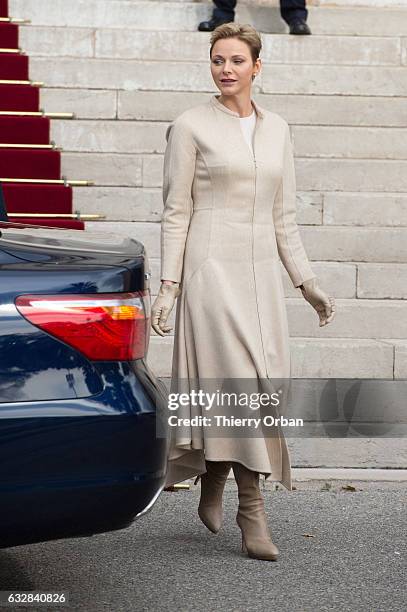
[
  {"x": 3, "y": 8},
  {"x": 37, "y": 164}
]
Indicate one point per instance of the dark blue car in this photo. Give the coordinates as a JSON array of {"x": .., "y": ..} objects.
[{"x": 83, "y": 441}]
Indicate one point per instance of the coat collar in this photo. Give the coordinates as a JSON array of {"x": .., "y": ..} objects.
[{"x": 214, "y": 100}]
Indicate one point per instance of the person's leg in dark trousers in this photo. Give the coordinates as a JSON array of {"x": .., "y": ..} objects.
[
  {"x": 295, "y": 14},
  {"x": 293, "y": 10},
  {"x": 223, "y": 12},
  {"x": 224, "y": 9}
]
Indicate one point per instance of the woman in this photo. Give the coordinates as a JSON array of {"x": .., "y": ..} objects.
[{"x": 229, "y": 217}]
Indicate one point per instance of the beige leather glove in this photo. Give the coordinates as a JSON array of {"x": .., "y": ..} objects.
[
  {"x": 162, "y": 307},
  {"x": 324, "y": 305}
]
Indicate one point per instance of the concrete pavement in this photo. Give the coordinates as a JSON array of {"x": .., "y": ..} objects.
[{"x": 339, "y": 551}]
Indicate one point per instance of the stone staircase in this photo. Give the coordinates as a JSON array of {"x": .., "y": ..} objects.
[{"x": 127, "y": 68}]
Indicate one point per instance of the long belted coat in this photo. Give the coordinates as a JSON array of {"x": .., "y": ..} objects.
[{"x": 229, "y": 217}]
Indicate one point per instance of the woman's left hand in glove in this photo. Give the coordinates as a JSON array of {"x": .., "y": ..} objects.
[{"x": 323, "y": 304}]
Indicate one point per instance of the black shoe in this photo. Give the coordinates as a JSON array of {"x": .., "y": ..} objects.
[
  {"x": 214, "y": 22},
  {"x": 299, "y": 27}
]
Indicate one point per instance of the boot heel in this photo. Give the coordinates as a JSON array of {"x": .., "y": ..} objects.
[{"x": 244, "y": 548}]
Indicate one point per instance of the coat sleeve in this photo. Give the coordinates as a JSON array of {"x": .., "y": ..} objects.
[
  {"x": 289, "y": 243},
  {"x": 178, "y": 176}
]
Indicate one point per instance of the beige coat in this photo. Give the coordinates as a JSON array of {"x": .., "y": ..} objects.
[{"x": 228, "y": 219}]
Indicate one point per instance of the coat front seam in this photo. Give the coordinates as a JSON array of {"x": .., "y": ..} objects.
[
  {"x": 212, "y": 207},
  {"x": 253, "y": 263}
]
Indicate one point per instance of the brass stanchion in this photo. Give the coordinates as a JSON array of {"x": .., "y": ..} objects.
[
  {"x": 13, "y": 82},
  {"x": 14, "y": 20},
  {"x": 60, "y": 115},
  {"x": 17, "y": 145},
  {"x": 48, "y": 181},
  {"x": 38, "y": 114},
  {"x": 78, "y": 216},
  {"x": 22, "y": 113}
]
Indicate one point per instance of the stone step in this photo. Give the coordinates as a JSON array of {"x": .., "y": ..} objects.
[
  {"x": 339, "y": 243},
  {"x": 187, "y": 76},
  {"x": 351, "y": 175},
  {"x": 386, "y": 281},
  {"x": 364, "y": 209},
  {"x": 105, "y": 13},
  {"x": 119, "y": 178},
  {"x": 276, "y": 49},
  {"x": 318, "y": 3},
  {"x": 295, "y": 108},
  {"x": 337, "y": 278},
  {"x": 340, "y": 279},
  {"x": 400, "y": 358},
  {"x": 362, "y": 244},
  {"x": 331, "y": 454},
  {"x": 317, "y": 357},
  {"x": 309, "y": 141},
  {"x": 376, "y": 111},
  {"x": 84, "y": 103},
  {"x": 356, "y": 3},
  {"x": 311, "y": 174},
  {"x": 355, "y": 318},
  {"x": 192, "y": 46},
  {"x": 117, "y": 203},
  {"x": 175, "y": 16},
  {"x": 55, "y": 41}
]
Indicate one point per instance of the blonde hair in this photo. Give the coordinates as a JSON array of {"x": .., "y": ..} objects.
[{"x": 244, "y": 32}]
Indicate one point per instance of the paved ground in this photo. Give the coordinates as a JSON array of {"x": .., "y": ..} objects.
[{"x": 168, "y": 561}]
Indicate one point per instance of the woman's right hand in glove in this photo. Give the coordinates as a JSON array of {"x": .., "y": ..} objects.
[{"x": 162, "y": 307}]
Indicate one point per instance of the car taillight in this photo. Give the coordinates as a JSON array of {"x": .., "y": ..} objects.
[{"x": 103, "y": 326}]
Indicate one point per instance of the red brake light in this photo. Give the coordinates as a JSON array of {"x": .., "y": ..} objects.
[{"x": 102, "y": 326}]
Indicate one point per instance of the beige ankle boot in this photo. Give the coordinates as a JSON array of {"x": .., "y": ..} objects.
[
  {"x": 251, "y": 517},
  {"x": 212, "y": 485}
]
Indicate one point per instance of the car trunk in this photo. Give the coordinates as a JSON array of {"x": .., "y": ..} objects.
[{"x": 38, "y": 261}]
